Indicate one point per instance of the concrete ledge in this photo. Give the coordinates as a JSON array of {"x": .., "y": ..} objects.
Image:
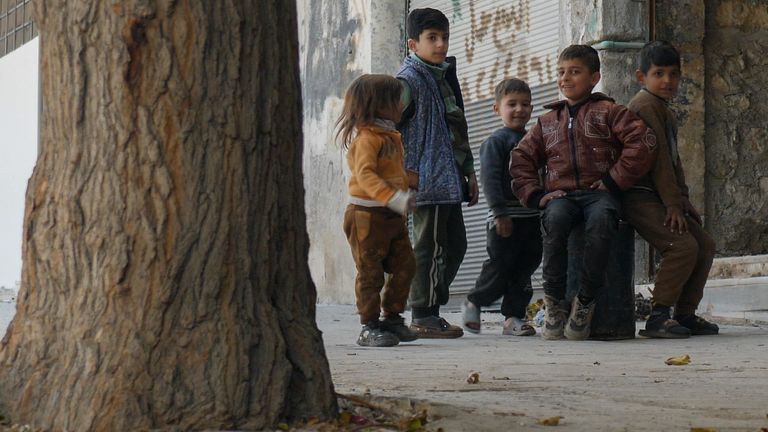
[
  {"x": 737, "y": 301},
  {"x": 739, "y": 267}
]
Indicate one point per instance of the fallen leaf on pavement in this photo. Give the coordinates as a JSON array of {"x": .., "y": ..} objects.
[
  {"x": 698, "y": 429},
  {"x": 344, "y": 418},
  {"x": 551, "y": 421},
  {"x": 414, "y": 425},
  {"x": 679, "y": 360},
  {"x": 473, "y": 378}
]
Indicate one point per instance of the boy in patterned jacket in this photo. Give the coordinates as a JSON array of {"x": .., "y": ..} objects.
[
  {"x": 590, "y": 150},
  {"x": 436, "y": 141}
]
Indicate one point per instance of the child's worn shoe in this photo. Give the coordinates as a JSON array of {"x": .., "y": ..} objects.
[
  {"x": 660, "y": 325},
  {"x": 470, "y": 317},
  {"x": 697, "y": 325},
  {"x": 373, "y": 336},
  {"x": 515, "y": 326},
  {"x": 579, "y": 321},
  {"x": 435, "y": 327},
  {"x": 396, "y": 324},
  {"x": 555, "y": 315}
]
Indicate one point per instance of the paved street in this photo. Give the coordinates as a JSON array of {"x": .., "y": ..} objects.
[{"x": 593, "y": 385}]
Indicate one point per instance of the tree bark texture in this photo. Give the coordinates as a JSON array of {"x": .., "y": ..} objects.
[{"x": 165, "y": 280}]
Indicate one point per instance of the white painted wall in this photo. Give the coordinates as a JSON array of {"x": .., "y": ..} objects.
[
  {"x": 338, "y": 41},
  {"x": 18, "y": 150}
]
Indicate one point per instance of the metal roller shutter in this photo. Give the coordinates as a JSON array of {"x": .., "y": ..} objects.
[{"x": 493, "y": 40}]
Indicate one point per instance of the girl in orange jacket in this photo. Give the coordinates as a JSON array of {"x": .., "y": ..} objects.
[{"x": 375, "y": 222}]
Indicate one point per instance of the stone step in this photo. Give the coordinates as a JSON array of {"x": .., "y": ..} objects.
[{"x": 739, "y": 267}]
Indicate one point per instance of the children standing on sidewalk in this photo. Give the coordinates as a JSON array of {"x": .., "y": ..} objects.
[
  {"x": 374, "y": 221},
  {"x": 591, "y": 149},
  {"x": 513, "y": 236},
  {"x": 659, "y": 209},
  {"x": 437, "y": 147}
]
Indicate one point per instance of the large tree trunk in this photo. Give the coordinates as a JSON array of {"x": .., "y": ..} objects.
[{"x": 165, "y": 278}]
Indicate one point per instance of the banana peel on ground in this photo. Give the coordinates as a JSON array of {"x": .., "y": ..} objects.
[
  {"x": 551, "y": 421},
  {"x": 679, "y": 360}
]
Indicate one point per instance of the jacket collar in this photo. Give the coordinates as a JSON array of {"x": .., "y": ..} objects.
[
  {"x": 597, "y": 96},
  {"x": 666, "y": 102},
  {"x": 385, "y": 124}
]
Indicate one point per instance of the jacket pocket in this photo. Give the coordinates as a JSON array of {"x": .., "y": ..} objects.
[
  {"x": 603, "y": 158},
  {"x": 550, "y": 135},
  {"x": 597, "y": 125}
]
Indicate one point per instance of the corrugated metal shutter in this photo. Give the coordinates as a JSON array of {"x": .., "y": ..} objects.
[{"x": 493, "y": 40}]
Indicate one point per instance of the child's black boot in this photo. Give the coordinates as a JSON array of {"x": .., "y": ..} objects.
[
  {"x": 396, "y": 324},
  {"x": 373, "y": 336},
  {"x": 660, "y": 325},
  {"x": 697, "y": 325}
]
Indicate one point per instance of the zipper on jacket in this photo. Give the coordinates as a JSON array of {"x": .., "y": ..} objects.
[{"x": 572, "y": 143}]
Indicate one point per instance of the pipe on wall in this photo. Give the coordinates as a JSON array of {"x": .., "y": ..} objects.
[{"x": 616, "y": 45}]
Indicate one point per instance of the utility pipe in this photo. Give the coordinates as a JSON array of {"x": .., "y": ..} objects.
[{"x": 616, "y": 45}]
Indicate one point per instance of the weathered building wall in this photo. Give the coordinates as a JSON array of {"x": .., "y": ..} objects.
[
  {"x": 736, "y": 137},
  {"x": 617, "y": 28},
  {"x": 339, "y": 40},
  {"x": 681, "y": 22}
]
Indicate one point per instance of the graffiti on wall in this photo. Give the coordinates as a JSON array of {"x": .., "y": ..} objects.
[{"x": 496, "y": 40}]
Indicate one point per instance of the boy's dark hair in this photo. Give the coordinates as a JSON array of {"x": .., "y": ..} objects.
[
  {"x": 423, "y": 19},
  {"x": 511, "y": 85},
  {"x": 585, "y": 53},
  {"x": 659, "y": 53}
]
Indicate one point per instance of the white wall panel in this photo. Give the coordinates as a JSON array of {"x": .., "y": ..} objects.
[{"x": 18, "y": 144}]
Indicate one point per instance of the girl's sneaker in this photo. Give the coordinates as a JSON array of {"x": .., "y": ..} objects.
[{"x": 373, "y": 336}]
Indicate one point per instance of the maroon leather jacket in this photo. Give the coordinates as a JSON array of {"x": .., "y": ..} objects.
[{"x": 604, "y": 141}]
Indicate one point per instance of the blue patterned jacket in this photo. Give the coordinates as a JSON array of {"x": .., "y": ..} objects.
[{"x": 427, "y": 137}]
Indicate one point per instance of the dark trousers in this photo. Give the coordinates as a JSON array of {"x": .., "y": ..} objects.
[
  {"x": 439, "y": 243},
  {"x": 599, "y": 212},
  {"x": 379, "y": 241},
  {"x": 508, "y": 269},
  {"x": 685, "y": 258}
]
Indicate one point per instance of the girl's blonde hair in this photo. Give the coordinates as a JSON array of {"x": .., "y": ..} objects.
[{"x": 368, "y": 97}]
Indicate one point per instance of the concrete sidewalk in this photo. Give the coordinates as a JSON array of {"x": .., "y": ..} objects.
[{"x": 593, "y": 385}]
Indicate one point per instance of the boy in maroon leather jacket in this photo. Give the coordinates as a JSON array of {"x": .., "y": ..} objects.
[{"x": 590, "y": 149}]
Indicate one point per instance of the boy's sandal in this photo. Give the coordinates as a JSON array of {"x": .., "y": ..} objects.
[
  {"x": 514, "y": 326},
  {"x": 670, "y": 329},
  {"x": 470, "y": 317}
]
